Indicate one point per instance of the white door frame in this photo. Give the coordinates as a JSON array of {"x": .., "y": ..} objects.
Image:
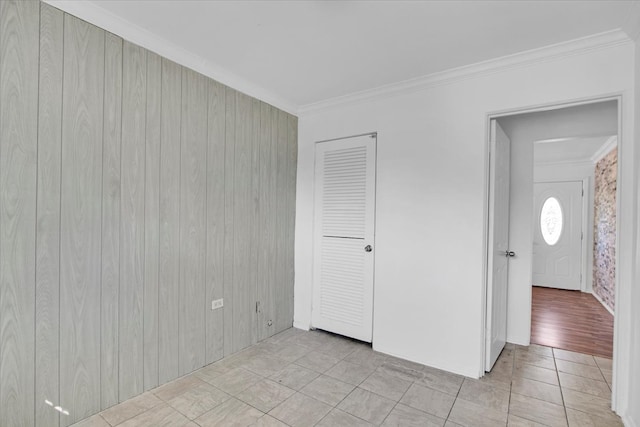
[{"x": 622, "y": 321}]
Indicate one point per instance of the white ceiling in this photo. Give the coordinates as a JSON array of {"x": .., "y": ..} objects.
[
  {"x": 569, "y": 150},
  {"x": 304, "y": 52},
  {"x": 572, "y": 134}
]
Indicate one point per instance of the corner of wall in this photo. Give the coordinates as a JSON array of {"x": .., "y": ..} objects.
[
  {"x": 301, "y": 325},
  {"x": 101, "y": 17}
]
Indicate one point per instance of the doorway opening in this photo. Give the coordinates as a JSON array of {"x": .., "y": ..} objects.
[
  {"x": 574, "y": 209},
  {"x": 552, "y": 215}
]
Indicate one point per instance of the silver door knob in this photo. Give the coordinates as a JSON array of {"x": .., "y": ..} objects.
[
  {"x": 509, "y": 254},
  {"x": 368, "y": 248}
]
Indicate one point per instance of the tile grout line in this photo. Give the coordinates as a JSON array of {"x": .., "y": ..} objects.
[
  {"x": 363, "y": 362},
  {"x": 513, "y": 368},
  {"x": 564, "y": 405}
]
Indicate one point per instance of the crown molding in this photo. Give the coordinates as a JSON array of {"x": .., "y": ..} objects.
[
  {"x": 96, "y": 15},
  {"x": 557, "y": 51},
  {"x": 606, "y": 148},
  {"x": 105, "y": 19}
]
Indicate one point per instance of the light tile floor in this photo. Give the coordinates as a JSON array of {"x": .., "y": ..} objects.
[{"x": 301, "y": 378}]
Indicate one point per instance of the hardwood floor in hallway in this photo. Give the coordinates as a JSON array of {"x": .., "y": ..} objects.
[{"x": 571, "y": 320}]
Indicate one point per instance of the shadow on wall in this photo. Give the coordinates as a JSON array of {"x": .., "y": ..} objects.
[{"x": 604, "y": 238}]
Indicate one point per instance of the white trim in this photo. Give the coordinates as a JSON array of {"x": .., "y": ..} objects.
[
  {"x": 602, "y": 302},
  {"x": 616, "y": 96},
  {"x": 606, "y": 148},
  {"x": 582, "y": 45},
  {"x": 115, "y": 24},
  {"x": 627, "y": 421},
  {"x": 300, "y": 325},
  {"x": 587, "y": 236},
  {"x": 584, "y": 268},
  {"x": 622, "y": 326}
]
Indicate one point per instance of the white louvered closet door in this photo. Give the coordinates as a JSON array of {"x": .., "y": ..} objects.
[{"x": 344, "y": 236}]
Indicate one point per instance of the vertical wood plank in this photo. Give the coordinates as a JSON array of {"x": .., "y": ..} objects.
[
  {"x": 47, "y": 300},
  {"x": 215, "y": 220},
  {"x": 81, "y": 209},
  {"x": 292, "y": 140},
  {"x": 281, "y": 223},
  {"x": 169, "y": 239},
  {"x": 152, "y": 221},
  {"x": 193, "y": 220},
  {"x": 275, "y": 212},
  {"x": 266, "y": 225},
  {"x": 131, "y": 335},
  {"x": 19, "y": 42},
  {"x": 111, "y": 219},
  {"x": 229, "y": 183},
  {"x": 254, "y": 226},
  {"x": 243, "y": 303},
  {"x": 292, "y": 160}
]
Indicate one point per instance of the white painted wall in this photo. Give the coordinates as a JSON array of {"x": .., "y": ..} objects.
[
  {"x": 549, "y": 172},
  {"x": 431, "y": 197}
]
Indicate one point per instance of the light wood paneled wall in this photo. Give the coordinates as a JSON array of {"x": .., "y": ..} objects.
[
  {"x": 48, "y": 214},
  {"x": 193, "y": 163},
  {"x": 81, "y": 217},
  {"x": 152, "y": 221},
  {"x": 19, "y": 54},
  {"x": 111, "y": 186},
  {"x": 215, "y": 218},
  {"x": 132, "y": 208},
  {"x": 169, "y": 238},
  {"x": 133, "y": 192}
]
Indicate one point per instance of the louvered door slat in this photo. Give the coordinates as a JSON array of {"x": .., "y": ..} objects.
[{"x": 344, "y": 174}]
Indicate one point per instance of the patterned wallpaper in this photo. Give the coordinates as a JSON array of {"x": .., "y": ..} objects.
[{"x": 604, "y": 239}]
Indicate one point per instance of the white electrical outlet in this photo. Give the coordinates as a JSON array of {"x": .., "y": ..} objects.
[{"x": 218, "y": 303}]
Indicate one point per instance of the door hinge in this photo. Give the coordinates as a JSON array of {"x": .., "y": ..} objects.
[{"x": 257, "y": 306}]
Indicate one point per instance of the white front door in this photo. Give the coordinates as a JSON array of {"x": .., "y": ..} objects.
[
  {"x": 557, "y": 238},
  {"x": 498, "y": 247},
  {"x": 344, "y": 236}
]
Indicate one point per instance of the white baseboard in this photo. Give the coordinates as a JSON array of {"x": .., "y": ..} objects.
[
  {"x": 300, "y": 325},
  {"x": 603, "y": 304}
]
